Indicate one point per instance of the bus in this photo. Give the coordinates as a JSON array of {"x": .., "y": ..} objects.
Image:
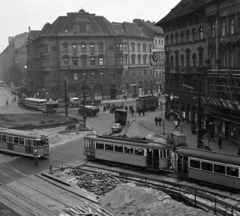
[
  {"x": 133, "y": 151},
  {"x": 34, "y": 103},
  {"x": 121, "y": 116},
  {"x": 23, "y": 143}
]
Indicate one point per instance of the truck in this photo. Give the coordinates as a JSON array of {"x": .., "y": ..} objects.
[
  {"x": 176, "y": 139},
  {"x": 146, "y": 103}
]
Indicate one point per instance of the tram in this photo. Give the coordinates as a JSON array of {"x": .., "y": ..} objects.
[
  {"x": 23, "y": 143},
  {"x": 207, "y": 166},
  {"x": 138, "y": 152},
  {"x": 120, "y": 116}
]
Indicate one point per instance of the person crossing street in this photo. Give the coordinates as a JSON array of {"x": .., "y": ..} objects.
[{"x": 35, "y": 155}]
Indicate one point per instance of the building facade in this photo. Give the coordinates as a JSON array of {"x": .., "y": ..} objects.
[
  {"x": 107, "y": 60},
  {"x": 185, "y": 51}
]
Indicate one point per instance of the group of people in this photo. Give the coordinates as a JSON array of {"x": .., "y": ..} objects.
[
  {"x": 158, "y": 120},
  {"x": 14, "y": 99}
]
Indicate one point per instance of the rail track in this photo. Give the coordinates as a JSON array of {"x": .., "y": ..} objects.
[{"x": 208, "y": 200}]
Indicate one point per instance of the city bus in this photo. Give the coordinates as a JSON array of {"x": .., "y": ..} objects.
[
  {"x": 23, "y": 143},
  {"x": 34, "y": 103}
]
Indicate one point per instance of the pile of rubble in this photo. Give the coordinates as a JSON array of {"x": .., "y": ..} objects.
[
  {"x": 80, "y": 127},
  {"x": 96, "y": 182},
  {"x": 85, "y": 209}
]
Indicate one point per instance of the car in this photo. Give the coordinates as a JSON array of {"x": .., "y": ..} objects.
[
  {"x": 90, "y": 110},
  {"x": 117, "y": 127},
  {"x": 74, "y": 102},
  {"x": 60, "y": 102}
]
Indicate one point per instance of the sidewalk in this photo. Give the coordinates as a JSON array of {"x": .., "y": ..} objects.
[{"x": 228, "y": 147}]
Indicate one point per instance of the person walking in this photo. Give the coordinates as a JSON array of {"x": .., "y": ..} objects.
[
  {"x": 7, "y": 102},
  {"x": 35, "y": 155},
  {"x": 132, "y": 111},
  {"x": 160, "y": 120},
  {"x": 220, "y": 142},
  {"x": 156, "y": 120}
]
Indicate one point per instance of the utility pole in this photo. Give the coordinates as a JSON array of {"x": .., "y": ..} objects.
[
  {"x": 65, "y": 92},
  {"x": 84, "y": 103},
  {"x": 199, "y": 141}
]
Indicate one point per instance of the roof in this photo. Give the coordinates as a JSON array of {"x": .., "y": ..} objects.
[
  {"x": 132, "y": 30},
  {"x": 209, "y": 155},
  {"x": 182, "y": 8},
  {"x": 156, "y": 29}
]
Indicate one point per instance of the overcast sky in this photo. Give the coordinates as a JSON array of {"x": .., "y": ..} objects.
[{"x": 17, "y": 15}]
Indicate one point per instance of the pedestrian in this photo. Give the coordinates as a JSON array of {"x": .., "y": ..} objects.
[
  {"x": 238, "y": 151},
  {"x": 175, "y": 123},
  {"x": 143, "y": 112},
  {"x": 156, "y": 120},
  {"x": 211, "y": 136},
  {"x": 7, "y": 102},
  {"x": 104, "y": 108},
  {"x": 35, "y": 155},
  {"x": 220, "y": 142},
  {"x": 178, "y": 119},
  {"x": 126, "y": 108},
  {"x": 132, "y": 111},
  {"x": 193, "y": 128},
  {"x": 160, "y": 120}
]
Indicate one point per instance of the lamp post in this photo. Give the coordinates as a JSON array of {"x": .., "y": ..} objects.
[
  {"x": 65, "y": 93},
  {"x": 84, "y": 102}
]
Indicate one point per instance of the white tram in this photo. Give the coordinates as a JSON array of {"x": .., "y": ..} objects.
[
  {"x": 23, "y": 143},
  {"x": 138, "y": 152}
]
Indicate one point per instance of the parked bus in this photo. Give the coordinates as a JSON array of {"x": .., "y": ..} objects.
[
  {"x": 121, "y": 116},
  {"x": 23, "y": 143},
  {"x": 33, "y": 103},
  {"x": 146, "y": 103},
  {"x": 133, "y": 151}
]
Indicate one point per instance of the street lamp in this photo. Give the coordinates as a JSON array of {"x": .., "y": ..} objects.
[
  {"x": 65, "y": 92},
  {"x": 84, "y": 102}
]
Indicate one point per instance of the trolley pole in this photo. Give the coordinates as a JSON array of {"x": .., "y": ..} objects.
[{"x": 65, "y": 92}]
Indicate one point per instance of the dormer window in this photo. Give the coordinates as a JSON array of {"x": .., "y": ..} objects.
[{"x": 82, "y": 28}]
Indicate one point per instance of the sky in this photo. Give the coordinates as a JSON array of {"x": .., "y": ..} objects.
[{"x": 17, "y": 15}]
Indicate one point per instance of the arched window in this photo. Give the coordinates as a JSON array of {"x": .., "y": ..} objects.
[
  {"x": 65, "y": 47},
  {"x": 166, "y": 39},
  {"x": 133, "y": 59},
  {"x": 144, "y": 59},
  {"x": 83, "y": 47},
  {"x": 125, "y": 59},
  {"x": 176, "y": 38},
  {"x": 200, "y": 50},
  {"x": 92, "y": 47},
  {"x": 182, "y": 60},
  {"x": 182, "y": 36},
  {"x": 172, "y": 59},
  {"x": 133, "y": 47},
  {"x": 150, "y": 47},
  {"x": 139, "y": 47},
  {"x": 193, "y": 34},
  {"x": 144, "y": 47},
  {"x": 194, "y": 57},
  {"x": 201, "y": 33},
  {"x": 171, "y": 37},
  {"x": 188, "y": 35},
  {"x": 74, "y": 48},
  {"x": 187, "y": 58},
  {"x": 139, "y": 59},
  {"x": 100, "y": 46},
  {"x": 176, "y": 59}
]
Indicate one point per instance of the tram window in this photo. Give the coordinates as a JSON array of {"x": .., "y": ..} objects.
[
  {"x": 16, "y": 140},
  {"x": 86, "y": 143},
  {"x": 99, "y": 145},
  {"x": 233, "y": 171},
  {"x": 128, "y": 150},
  {"x": 28, "y": 142},
  {"x": 164, "y": 154},
  {"x": 194, "y": 164},
  {"x": 219, "y": 169},
  {"x": 109, "y": 147},
  {"x": 207, "y": 166},
  {"x": 168, "y": 152},
  {"x": 21, "y": 141},
  {"x": 10, "y": 139},
  {"x": 118, "y": 148},
  {"x": 0, "y": 137},
  {"x": 139, "y": 151},
  {"x": 161, "y": 153},
  {"x": 4, "y": 138}
]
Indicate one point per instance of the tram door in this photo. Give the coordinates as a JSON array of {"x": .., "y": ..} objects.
[
  {"x": 182, "y": 165},
  {"x": 89, "y": 149},
  {"x": 153, "y": 159}
]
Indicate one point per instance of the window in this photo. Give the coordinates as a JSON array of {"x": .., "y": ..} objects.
[
  {"x": 145, "y": 59},
  {"x": 82, "y": 28},
  {"x": 133, "y": 59},
  {"x": 92, "y": 48},
  {"x": 109, "y": 147},
  {"x": 10, "y": 139},
  {"x": 231, "y": 58},
  {"x": 126, "y": 73},
  {"x": 112, "y": 75},
  {"x": 156, "y": 41},
  {"x": 101, "y": 75},
  {"x": 100, "y": 47},
  {"x": 99, "y": 145},
  {"x": 212, "y": 30},
  {"x": 65, "y": 47},
  {"x": 15, "y": 140},
  {"x": 145, "y": 72},
  {"x": 133, "y": 47},
  {"x": 101, "y": 61},
  {"x": 110, "y": 47},
  {"x": 84, "y": 76},
  {"x": 223, "y": 28},
  {"x": 171, "y": 38},
  {"x": 162, "y": 154},
  {"x": 128, "y": 150},
  {"x": 139, "y": 73},
  {"x": 150, "y": 47},
  {"x": 207, "y": 166},
  {"x": 21, "y": 141},
  {"x": 201, "y": 33},
  {"x": 0, "y": 137},
  {"x": 4, "y": 138},
  {"x": 193, "y": 34},
  {"x": 125, "y": 59},
  {"x": 233, "y": 171},
  {"x": 125, "y": 47},
  {"x": 194, "y": 60},
  {"x": 119, "y": 61},
  {"x": 144, "y": 47},
  {"x": 44, "y": 48},
  {"x": 83, "y": 47},
  {"x": 166, "y": 39},
  {"x": 133, "y": 74},
  {"x": 176, "y": 38},
  {"x": 118, "y": 148},
  {"x": 28, "y": 142},
  {"x": 65, "y": 60},
  {"x": 182, "y": 35},
  {"x": 92, "y": 61},
  {"x": 75, "y": 61},
  {"x": 74, "y": 48},
  {"x": 219, "y": 169},
  {"x": 138, "y": 45},
  {"x": 84, "y": 61},
  {"x": 194, "y": 164},
  {"x": 45, "y": 62},
  {"x": 93, "y": 76},
  {"x": 188, "y": 35},
  {"x": 231, "y": 26},
  {"x": 139, "y": 59},
  {"x": 200, "y": 59},
  {"x": 139, "y": 151},
  {"x": 75, "y": 77},
  {"x": 150, "y": 71}
]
